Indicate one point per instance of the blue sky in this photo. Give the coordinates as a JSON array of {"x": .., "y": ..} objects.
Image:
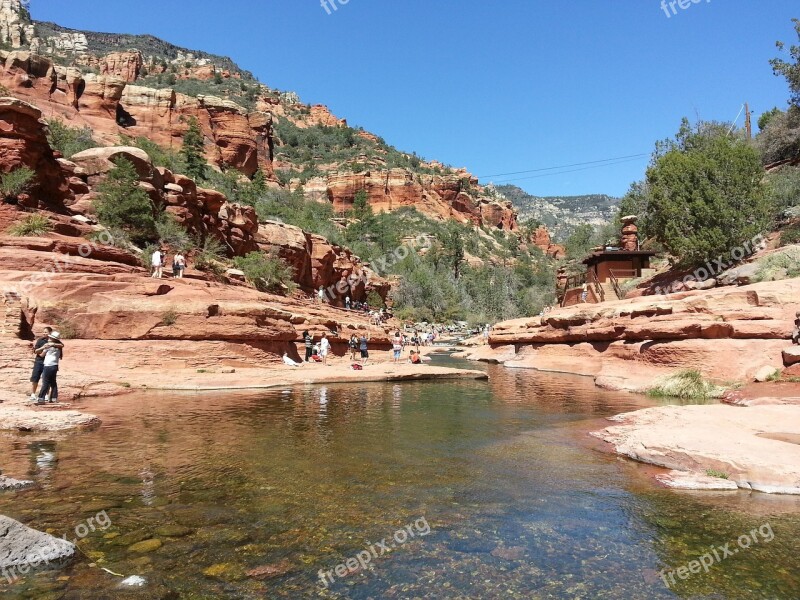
[{"x": 497, "y": 87}]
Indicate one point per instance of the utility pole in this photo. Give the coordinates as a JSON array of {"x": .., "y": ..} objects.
[{"x": 748, "y": 126}]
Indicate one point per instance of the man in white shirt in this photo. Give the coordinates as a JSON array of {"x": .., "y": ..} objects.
[
  {"x": 158, "y": 263},
  {"x": 51, "y": 352}
]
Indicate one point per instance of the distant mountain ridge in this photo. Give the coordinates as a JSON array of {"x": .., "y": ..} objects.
[{"x": 562, "y": 214}]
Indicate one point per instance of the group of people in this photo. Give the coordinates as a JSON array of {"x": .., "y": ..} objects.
[
  {"x": 358, "y": 344},
  {"x": 159, "y": 259}
]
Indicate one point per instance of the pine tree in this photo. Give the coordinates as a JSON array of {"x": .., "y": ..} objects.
[
  {"x": 122, "y": 204},
  {"x": 192, "y": 151}
]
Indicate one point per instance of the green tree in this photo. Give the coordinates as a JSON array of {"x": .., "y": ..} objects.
[
  {"x": 765, "y": 118},
  {"x": 122, "y": 204},
  {"x": 580, "y": 241},
  {"x": 68, "y": 140},
  {"x": 706, "y": 195},
  {"x": 192, "y": 150},
  {"x": 790, "y": 70},
  {"x": 267, "y": 273},
  {"x": 453, "y": 247}
]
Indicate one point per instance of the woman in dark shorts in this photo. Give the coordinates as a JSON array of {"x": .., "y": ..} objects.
[{"x": 362, "y": 344}]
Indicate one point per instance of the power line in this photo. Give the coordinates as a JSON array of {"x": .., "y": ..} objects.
[
  {"x": 592, "y": 162},
  {"x": 620, "y": 162}
]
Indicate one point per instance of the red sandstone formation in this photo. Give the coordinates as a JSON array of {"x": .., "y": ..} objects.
[
  {"x": 64, "y": 187},
  {"x": 111, "y": 107},
  {"x": 439, "y": 196},
  {"x": 728, "y": 334},
  {"x": 541, "y": 239},
  {"x": 24, "y": 144}
]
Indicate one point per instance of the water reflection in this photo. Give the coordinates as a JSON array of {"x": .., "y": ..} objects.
[{"x": 301, "y": 479}]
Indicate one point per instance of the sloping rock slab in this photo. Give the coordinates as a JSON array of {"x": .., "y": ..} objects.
[
  {"x": 685, "y": 480},
  {"x": 724, "y": 438},
  {"x": 21, "y": 546}
]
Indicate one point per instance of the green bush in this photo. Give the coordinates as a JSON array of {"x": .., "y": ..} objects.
[
  {"x": 169, "y": 318},
  {"x": 783, "y": 264},
  {"x": 686, "y": 385},
  {"x": 791, "y": 235},
  {"x": 122, "y": 204},
  {"x": 161, "y": 156},
  {"x": 705, "y": 194},
  {"x": 266, "y": 273},
  {"x": 173, "y": 234},
  {"x": 69, "y": 140},
  {"x": 31, "y": 226},
  {"x": 16, "y": 182},
  {"x": 209, "y": 256}
]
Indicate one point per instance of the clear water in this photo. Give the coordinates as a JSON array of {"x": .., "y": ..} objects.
[{"x": 520, "y": 502}]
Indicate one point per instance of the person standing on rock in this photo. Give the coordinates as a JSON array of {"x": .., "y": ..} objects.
[
  {"x": 353, "y": 347},
  {"x": 321, "y": 295},
  {"x": 362, "y": 345},
  {"x": 324, "y": 348},
  {"x": 51, "y": 355},
  {"x": 309, "y": 342},
  {"x": 397, "y": 347},
  {"x": 157, "y": 261},
  {"x": 347, "y": 303},
  {"x": 38, "y": 361},
  {"x": 178, "y": 265}
]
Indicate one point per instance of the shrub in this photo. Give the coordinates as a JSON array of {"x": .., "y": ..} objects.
[
  {"x": 791, "y": 235},
  {"x": 161, "y": 156},
  {"x": 122, "y": 204},
  {"x": 173, "y": 234},
  {"x": 209, "y": 256},
  {"x": 169, "y": 318},
  {"x": 14, "y": 183},
  {"x": 31, "y": 226},
  {"x": 69, "y": 140},
  {"x": 783, "y": 264},
  {"x": 717, "y": 474},
  {"x": 266, "y": 273},
  {"x": 687, "y": 385},
  {"x": 67, "y": 329},
  {"x": 706, "y": 194}
]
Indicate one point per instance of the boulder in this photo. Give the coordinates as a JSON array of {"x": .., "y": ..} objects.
[
  {"x": 791, "y": 356},
  {"x": 7, "y": 483},
  {"x": 22, "y": 548},
  {"x": 766, "y": 373},
  {"x": 99, "y": 161}
]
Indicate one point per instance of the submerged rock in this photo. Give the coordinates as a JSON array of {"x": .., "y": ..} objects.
[
  {"x": 6, "y": 483},
  {"x": 23, "y": 548},
  {"x": 133, "y": 581}
]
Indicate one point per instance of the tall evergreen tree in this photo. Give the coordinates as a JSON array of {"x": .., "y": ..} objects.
[{"x": 192, "y": 150}]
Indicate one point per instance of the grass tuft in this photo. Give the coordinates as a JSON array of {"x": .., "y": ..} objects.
[{"x": 687, "y": 385}]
